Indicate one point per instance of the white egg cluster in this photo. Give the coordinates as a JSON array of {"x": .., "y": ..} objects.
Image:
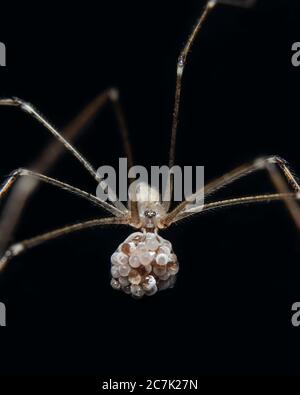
[{"x": 143, "y": 265}]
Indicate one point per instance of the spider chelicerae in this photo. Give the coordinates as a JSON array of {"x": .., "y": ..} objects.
[{"x": 145, "y": 262}]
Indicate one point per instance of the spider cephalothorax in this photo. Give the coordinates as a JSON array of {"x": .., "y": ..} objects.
[{"x": 143, "y": 264}]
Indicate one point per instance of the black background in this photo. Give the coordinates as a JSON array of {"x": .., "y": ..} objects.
[{"x": 230, "y": 312}]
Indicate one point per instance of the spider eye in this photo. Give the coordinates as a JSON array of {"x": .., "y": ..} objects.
[{"x": 150, "y": 213}]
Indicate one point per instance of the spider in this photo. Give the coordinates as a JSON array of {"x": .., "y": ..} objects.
[{"x": 145, "y": 262}]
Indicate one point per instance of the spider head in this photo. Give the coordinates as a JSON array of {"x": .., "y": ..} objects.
[
  {"x": 150, "y": 208},
  {"x": 151, "y": 214}
]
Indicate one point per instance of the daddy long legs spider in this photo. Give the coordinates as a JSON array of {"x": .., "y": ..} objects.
[{"x": 145, "y": 262}]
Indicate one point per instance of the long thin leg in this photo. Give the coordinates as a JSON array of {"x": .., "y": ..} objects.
[
  {"x": 22, "y": 246},
  {"x": 73, "y": 130},
  {"x": 22, "y": 190},
  {"x": 28, "y": 108},
  {"x": 181, "y": 62},
  {"x": 238, "y": 202},
  {"x": 180, "y": 69},
  {"x": 270, "y": 164},
  {"x": 36, "y": 176},
  {"x": 134, "y": 211},
  {"x": 122, "y": 126},
  {"x": 31, "y": 111}
]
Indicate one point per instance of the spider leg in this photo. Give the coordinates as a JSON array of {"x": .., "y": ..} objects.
[
  {"x": 36, "y": 176},
  {"x": 28, "y": 108},
  {"x": 21, "y": 191},
  {"x": 239, "y": 201},
  {"x": 78, "y": 125},
  {"x": 181, "y": 62},
  {"x": 20, "y": 247},
  {"x": 271, "y": 164},
  {"x": 134, "y": 211}
]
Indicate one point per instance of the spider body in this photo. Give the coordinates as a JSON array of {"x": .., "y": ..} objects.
[{"x": 151, "y": 211}]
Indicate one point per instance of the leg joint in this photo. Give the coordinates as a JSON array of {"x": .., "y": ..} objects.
[
  {"x": 263, "y": 162},
  {"x": 113, "y": 94},
  {"x": 19, "y": 172}
]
